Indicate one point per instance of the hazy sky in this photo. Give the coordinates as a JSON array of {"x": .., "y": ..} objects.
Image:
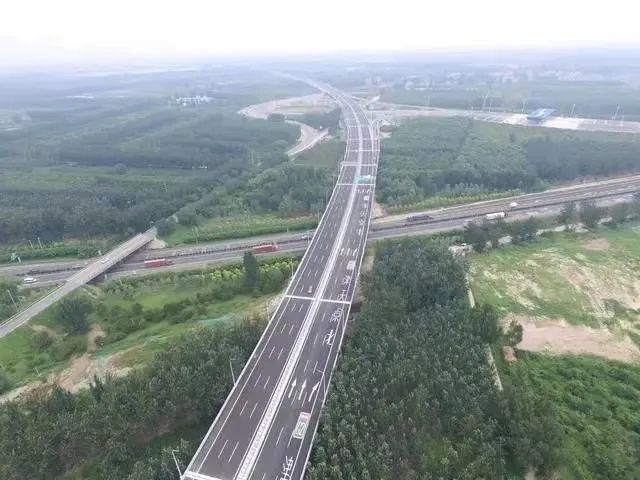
[{"x": 34, "y": 30}]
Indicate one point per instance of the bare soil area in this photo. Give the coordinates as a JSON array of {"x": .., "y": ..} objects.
[{"x": 548, "y": 335}]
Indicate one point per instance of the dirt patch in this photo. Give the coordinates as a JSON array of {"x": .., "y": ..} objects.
[
  {"x": 377, "y": 210},
  {"x": 316, "y": 102},
  {"x": 80, "y": 370},
  {"x": 598, "y": 244},
  {"x": 541, "y": 334},
  {"x": 157, "y": 243},
  {"x": 44, "y": 328}
]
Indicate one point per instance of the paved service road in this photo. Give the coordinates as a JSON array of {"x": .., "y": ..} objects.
[
  {"x": 91, "y": 271},
  {"x": 266, "y": 427}
]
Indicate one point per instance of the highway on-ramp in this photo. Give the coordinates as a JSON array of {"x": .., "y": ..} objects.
[{"x": 266, "y": 426}]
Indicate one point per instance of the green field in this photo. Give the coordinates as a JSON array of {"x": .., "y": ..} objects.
[
  {"x": 556, "y": 287},
  {"x": 326, "y": 154},
  {"x": 138, "y": 317},
  {"x": 238, "y": 226},
  {"x": 588, "y": 279}
]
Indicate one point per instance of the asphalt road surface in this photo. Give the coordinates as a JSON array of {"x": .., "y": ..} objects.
[
  {"x": 542, "y": 203},
  {"x": 266, "y": 427}
]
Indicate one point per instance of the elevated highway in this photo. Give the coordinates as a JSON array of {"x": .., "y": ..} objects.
[
  {"x": 266, "y": 427},
  {"x": 92, "y": 270}
]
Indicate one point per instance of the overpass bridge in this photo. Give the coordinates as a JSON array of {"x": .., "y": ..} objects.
[
  {"x": 97, "y": 267},
  {"x": 265, "y": 428}
]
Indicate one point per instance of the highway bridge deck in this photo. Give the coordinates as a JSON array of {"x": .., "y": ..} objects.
[{"x": 266, "y": 427}]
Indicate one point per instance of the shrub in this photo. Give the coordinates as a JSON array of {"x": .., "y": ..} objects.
[
  {"x": 70, "y": 345},
  {"x": 42, "y": 340},
  {"x": 6, "y": 382}
]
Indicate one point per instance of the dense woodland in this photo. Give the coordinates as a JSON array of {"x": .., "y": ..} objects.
[
  {"x": 459, "y": 157},
  {"x": 413, "y": 396},
  {"x": 103, "y": 430},
  {"x": 105, "y": 165}
]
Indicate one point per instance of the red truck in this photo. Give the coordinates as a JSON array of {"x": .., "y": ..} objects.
[
  {"x": 265, "y": 248},
  {"x": 157, "y": 262}
]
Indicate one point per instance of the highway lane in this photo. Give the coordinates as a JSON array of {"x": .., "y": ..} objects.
[
  {"x": 223, "y": 250},
  {"x": 266, "y": 426}
]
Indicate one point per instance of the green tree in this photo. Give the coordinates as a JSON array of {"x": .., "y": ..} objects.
[
  {"x": 484, "y": 320},
  {"x": 568, "y": 215},
  {"x": 6, "y": 382},
  {"x": 251, "y": 270},
  {"x": 513, "y": 335},
  {"x": 618, "y": 214},
  {"x": 72, "y": 312},
  {"x": 590, "y": 214},
  {"x": 476, "y": 236}
]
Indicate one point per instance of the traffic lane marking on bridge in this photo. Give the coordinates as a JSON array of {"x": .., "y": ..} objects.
[
  {"x": 243, "y": 380},
  {"x": 322, "y": 355},
  {"x": 275, "y": 402},
  {"x": 265, "y": 369},
  {"x": 305, "y": 380},
  {"x": 323, "y": 238}
]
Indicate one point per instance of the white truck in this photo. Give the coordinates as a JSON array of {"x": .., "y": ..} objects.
[{"x": 495, "y": 215}]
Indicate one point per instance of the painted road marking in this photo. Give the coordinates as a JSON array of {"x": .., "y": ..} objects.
[
  {"x": 243, "y": 407},
  {"x": 225, "y": 444},
  {"x": 253, "y": 411},
  {"x": 234, "y": 451}
]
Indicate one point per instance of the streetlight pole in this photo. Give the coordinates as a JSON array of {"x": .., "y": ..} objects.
[
  {"x": 12, "y": 300},
  {"x": 175, "y": 460}
]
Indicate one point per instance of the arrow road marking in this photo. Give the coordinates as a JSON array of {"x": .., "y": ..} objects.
[
  {"x": 293, "y": 385},
  {"x": 304, "y": 385},
  {"x": 314, "y": 389}
]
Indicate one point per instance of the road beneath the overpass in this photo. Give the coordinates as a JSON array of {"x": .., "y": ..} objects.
[
  {"x": 443, "y": 219},
  {"x": 266, "y": 427}
]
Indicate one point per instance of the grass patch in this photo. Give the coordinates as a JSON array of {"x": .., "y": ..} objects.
[
  {"x": 584, "y": 278},
  {"x": 238, "y": 226},
  {"x": 325, "y": 154}
]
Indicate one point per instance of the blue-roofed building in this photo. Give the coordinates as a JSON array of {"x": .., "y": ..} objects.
[{"x": 540, "y": 114}]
